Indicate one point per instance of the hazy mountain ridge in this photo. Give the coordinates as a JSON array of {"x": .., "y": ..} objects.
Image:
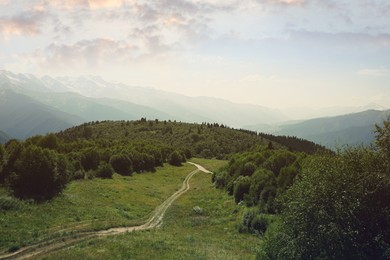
[
  {"x": 351, "y": 129},
  {"x": 180, "y": 107},
  {"x": 4, "y": 137},
  {"x": 67, "y": 101},
  {"x": 91, "y": 98},
  {"x": 22, "y": 116}
]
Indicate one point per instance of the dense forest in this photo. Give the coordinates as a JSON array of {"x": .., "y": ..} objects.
[
  {"x": 322, "y": 206},
  {"x": 40, "y": 167}
]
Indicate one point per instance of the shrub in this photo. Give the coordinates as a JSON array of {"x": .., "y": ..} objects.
[
  {"x": 122, "y": 164},
  {"x": 175, "y": 159},
  {"x": 104, "y": 171},
  {"x": 253, "y": 222},
  {"x": 241, "y": 187},
  {"x": 78, "y": 175},
  {"x": 249, "y": 169},
  {"x": 90, "y": 159}
]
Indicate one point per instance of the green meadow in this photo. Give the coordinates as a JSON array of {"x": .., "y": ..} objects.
[
  {"x": 185, "y": 233},
  {"x": 88, "y": 205}
]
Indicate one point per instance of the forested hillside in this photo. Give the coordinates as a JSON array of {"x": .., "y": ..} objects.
[
  {"x": 323, "y": 206},
  {"x": 40, "y": 167}
]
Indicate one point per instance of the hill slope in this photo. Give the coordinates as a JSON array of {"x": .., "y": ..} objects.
[{"x": 204, "y": 140}]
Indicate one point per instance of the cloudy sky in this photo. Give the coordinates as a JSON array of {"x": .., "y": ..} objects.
[{"x": 277, "y": 53}]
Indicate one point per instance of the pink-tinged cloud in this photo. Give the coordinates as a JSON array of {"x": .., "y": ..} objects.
[
  {"x": 97, "y": 4},
  {"x": 92, "y": 4},
  {"x": 18, "y": 26},
  {"x": 95, "y": 54}
]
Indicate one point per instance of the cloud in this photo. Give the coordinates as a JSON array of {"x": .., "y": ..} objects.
[
  {"x": 96, "y": 4},
  {"x": 283, "y": 2},
  {"x": 28, "y": 20},
  {"x": 100, "y": 53},
  {"x": 89, "y": 53},
  {"x": 289, "y": 2},
  {"x": 20, "y": 25},
  {"x": 381, "y": 72}
]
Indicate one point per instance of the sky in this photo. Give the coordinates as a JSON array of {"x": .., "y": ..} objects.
[{"x": 275, "y": 53}]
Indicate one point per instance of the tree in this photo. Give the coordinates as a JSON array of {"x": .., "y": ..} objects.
[
  {"x": 337, "y": 210},
  {"x": 13, "y": 149},
  {"x": 87, "y": 132},
  {"x": 2, "y": 153},
  {"x": 90, "y": 159},
  {"x": 241, "y": 187},
  {"x": 175, "y": 158},
  {"x": 122, "y": 164},
  {"x": 249, "y": 169},
  {"x": 49, "y": 141},
  {"x": 383, "y": 139},
  {"x": 40, "y": 174}
]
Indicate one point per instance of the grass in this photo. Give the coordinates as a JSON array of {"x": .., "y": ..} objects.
[
  {"x": 87, "y": 205},
  {"x": 185, "y": 234}
]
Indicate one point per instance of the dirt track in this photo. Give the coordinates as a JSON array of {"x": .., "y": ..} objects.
[{"x": 154, "y": 221}]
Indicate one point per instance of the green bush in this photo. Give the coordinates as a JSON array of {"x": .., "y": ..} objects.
[
  {"x": 90, "y": 159},
  {"x": 78, "y": 175},
  {"x": 249, "y": 169},
  {"x": 104, "y": 171},
  {"x": 241, "y": 187},
  {"x": 253, "y": 222},
  {"x": 175, "y": 159}
]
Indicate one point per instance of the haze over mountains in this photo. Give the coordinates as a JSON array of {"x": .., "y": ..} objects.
[
  {"x": 30, "y": 105},
  {"x": 333, "y": 132},
  {"x": 91, "y": 98}
]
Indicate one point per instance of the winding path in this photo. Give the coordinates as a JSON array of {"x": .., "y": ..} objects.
[{"x": 154, "y": 221}]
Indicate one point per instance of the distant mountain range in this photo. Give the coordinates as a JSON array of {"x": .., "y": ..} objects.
[
  {"x": 30, "y": 105},
  {"x": 22, "y": 116},
  {"x": 332, "y": 132},
  {"x": 4, "y": 137}
]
